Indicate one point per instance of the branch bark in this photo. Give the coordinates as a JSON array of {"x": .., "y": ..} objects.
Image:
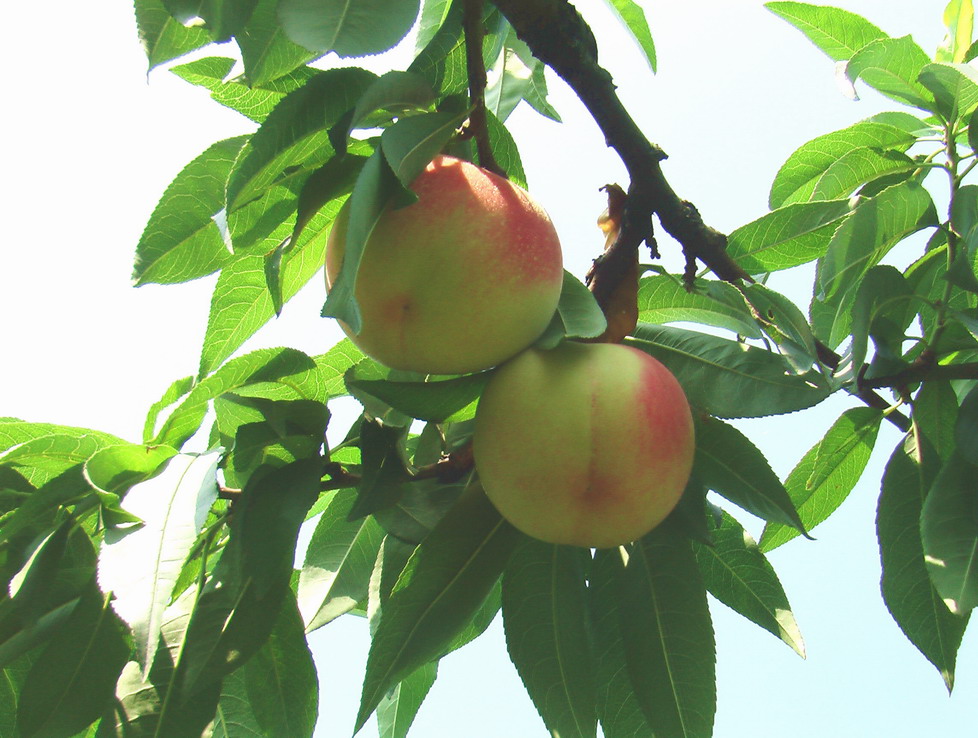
[{"x": 559, "y": 37}]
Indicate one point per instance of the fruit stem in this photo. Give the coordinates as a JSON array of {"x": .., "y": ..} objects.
[{"x": 476, "y": 68}]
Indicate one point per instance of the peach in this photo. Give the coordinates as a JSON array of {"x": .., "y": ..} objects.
[
  {"x": 459, "y": 281},
  {"x": 586, "y": 444}
]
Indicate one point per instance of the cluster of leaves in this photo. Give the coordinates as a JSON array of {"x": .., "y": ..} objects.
[{"x": 152, "y": 590}]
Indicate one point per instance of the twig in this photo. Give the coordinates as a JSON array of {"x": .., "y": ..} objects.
[
  {"x": 476, "y": 68},
  {"x": 558, "y": 36},
  {"x": 924, "y": 373},
  {"x": 448, "y": 468}
]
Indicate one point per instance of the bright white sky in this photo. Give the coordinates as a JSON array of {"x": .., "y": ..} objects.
[{"x": 91, "y": 146}]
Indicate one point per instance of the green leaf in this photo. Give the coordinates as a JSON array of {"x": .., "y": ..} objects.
[
  {"x": 966, "y": 427},
  {"x": 241, "y": 302},
  {"x": 395, "y": 91},
  {"x": 14, "y": 432},
  {"x": 949, "y": 530},
  {"x": 907, "y": 590},
  {"x": 281, "y": 681},
  {"x": 740, "y": 576},
  {"x": 44, "y": 458},
  {"x": 46, "y": 590},
  {"x": 892, "y": 66},
  {"x": 162, "y": 36},
  {"x": 935, "y": 413},
  {"x": 536, "y": 94},
  {"x": 234, "y": 717},
  {"x": 268, "y": 54},
  {"x": 294, "y": 138},
  {"x": 253, "y": 101},
  {"x": 441, "y": 56},
  {"x": 547, "y": 634},
  {"x": 618, "y": 708},
  {"x": 11, "y": 682},
  {"x": 222, "y": 19},
  {"x": 874, "y": 228},
  {"x": 578, "y": 310},
  {"x": 578, "y": 315},
  {"x": 238, "y": 605},
  {"x": 385, "y": 474},
  {"x": 959, "y": 17},
  {"x": 57, "y": 572},
  {"x": 37, "y": 511},
  {"x": 633, "y": 18},
  {"x": 729, "y": 464},
  {"x": 139, "y": 564},
  {"x": 182, "y": 240},
  {"x": 287, "y": 368},
  {"x": 398, "y": 708},
  {"x": 349, "y": 29},
  {"x": 431, "y": 19},
  {"x": 376, "y": 186},
  {"x": 511, "y": 80},
  {"x": 836, "y": 164},
  {"x": 667, "y": 635},
  {"x": 825, "y": 476},
  {"x": 445, "y": 581},
  {"x": 338, "y": 562},
  {"x": 114, "y": 469},
  {"x": 436, "y": 401},
  {"x": 786, "y": 325},
  {"x": 154, "y": 707},
  {"x": 504, "y": 150},
  {"x": 72, "y": 680},
  {"x": 789, "y": 236},
  {"x": 411, "y": 143},
  {"x": 179, "y": 388},
  {"x": 333, "y": 365},
  {"x": 663, "y": 298},
  {"x": 882, "y": 309},
  {"x": 839, "y": 33},
  {"x": 727, "y": 378},
  {"x": 955, "y": 87}
]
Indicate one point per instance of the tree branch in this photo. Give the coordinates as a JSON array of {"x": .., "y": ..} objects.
[
  {"x": 476, "y": 70},
  {"x": 924, "y": 373},
  {"x": 559, "y": 37}
]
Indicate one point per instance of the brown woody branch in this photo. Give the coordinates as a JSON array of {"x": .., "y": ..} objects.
[
  {"x": 558, "y": 36},
  {"x": 922, "y": 373}
]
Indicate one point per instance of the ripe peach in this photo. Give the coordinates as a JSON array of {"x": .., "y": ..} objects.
[
  {"x": 586, "y": 444},
  {"x": 459, "y": 281}
]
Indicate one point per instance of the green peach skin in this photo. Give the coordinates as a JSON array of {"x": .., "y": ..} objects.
[
  {"x": 459, "y": 281},
  {"x": 587, "y": 444}
]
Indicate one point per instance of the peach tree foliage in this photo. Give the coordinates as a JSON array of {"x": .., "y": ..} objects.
[{"x": 154, "y": 590}]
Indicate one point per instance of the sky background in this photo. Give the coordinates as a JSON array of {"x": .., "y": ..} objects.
[{"x": 91, "y": 142}]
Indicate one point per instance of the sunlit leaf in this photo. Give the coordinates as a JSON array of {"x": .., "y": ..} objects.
[
  {"x": 839, "y": 33},
  {"x": 825, "y": 476},
  {"x": 949, "y": 529},
  {"x": 139, "y": 564},
  {"x": 338, "y": 562},
  {"x": 729, "y": 464},
  {"x": 907, "y": 590},
  {"x": 789, "y": 236},
  {"x": 662, "y": 298},
  {"x": 727, "y": 378},
  {"x": 738, "y": 574},
  {"x": 357, "y": 29}
]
